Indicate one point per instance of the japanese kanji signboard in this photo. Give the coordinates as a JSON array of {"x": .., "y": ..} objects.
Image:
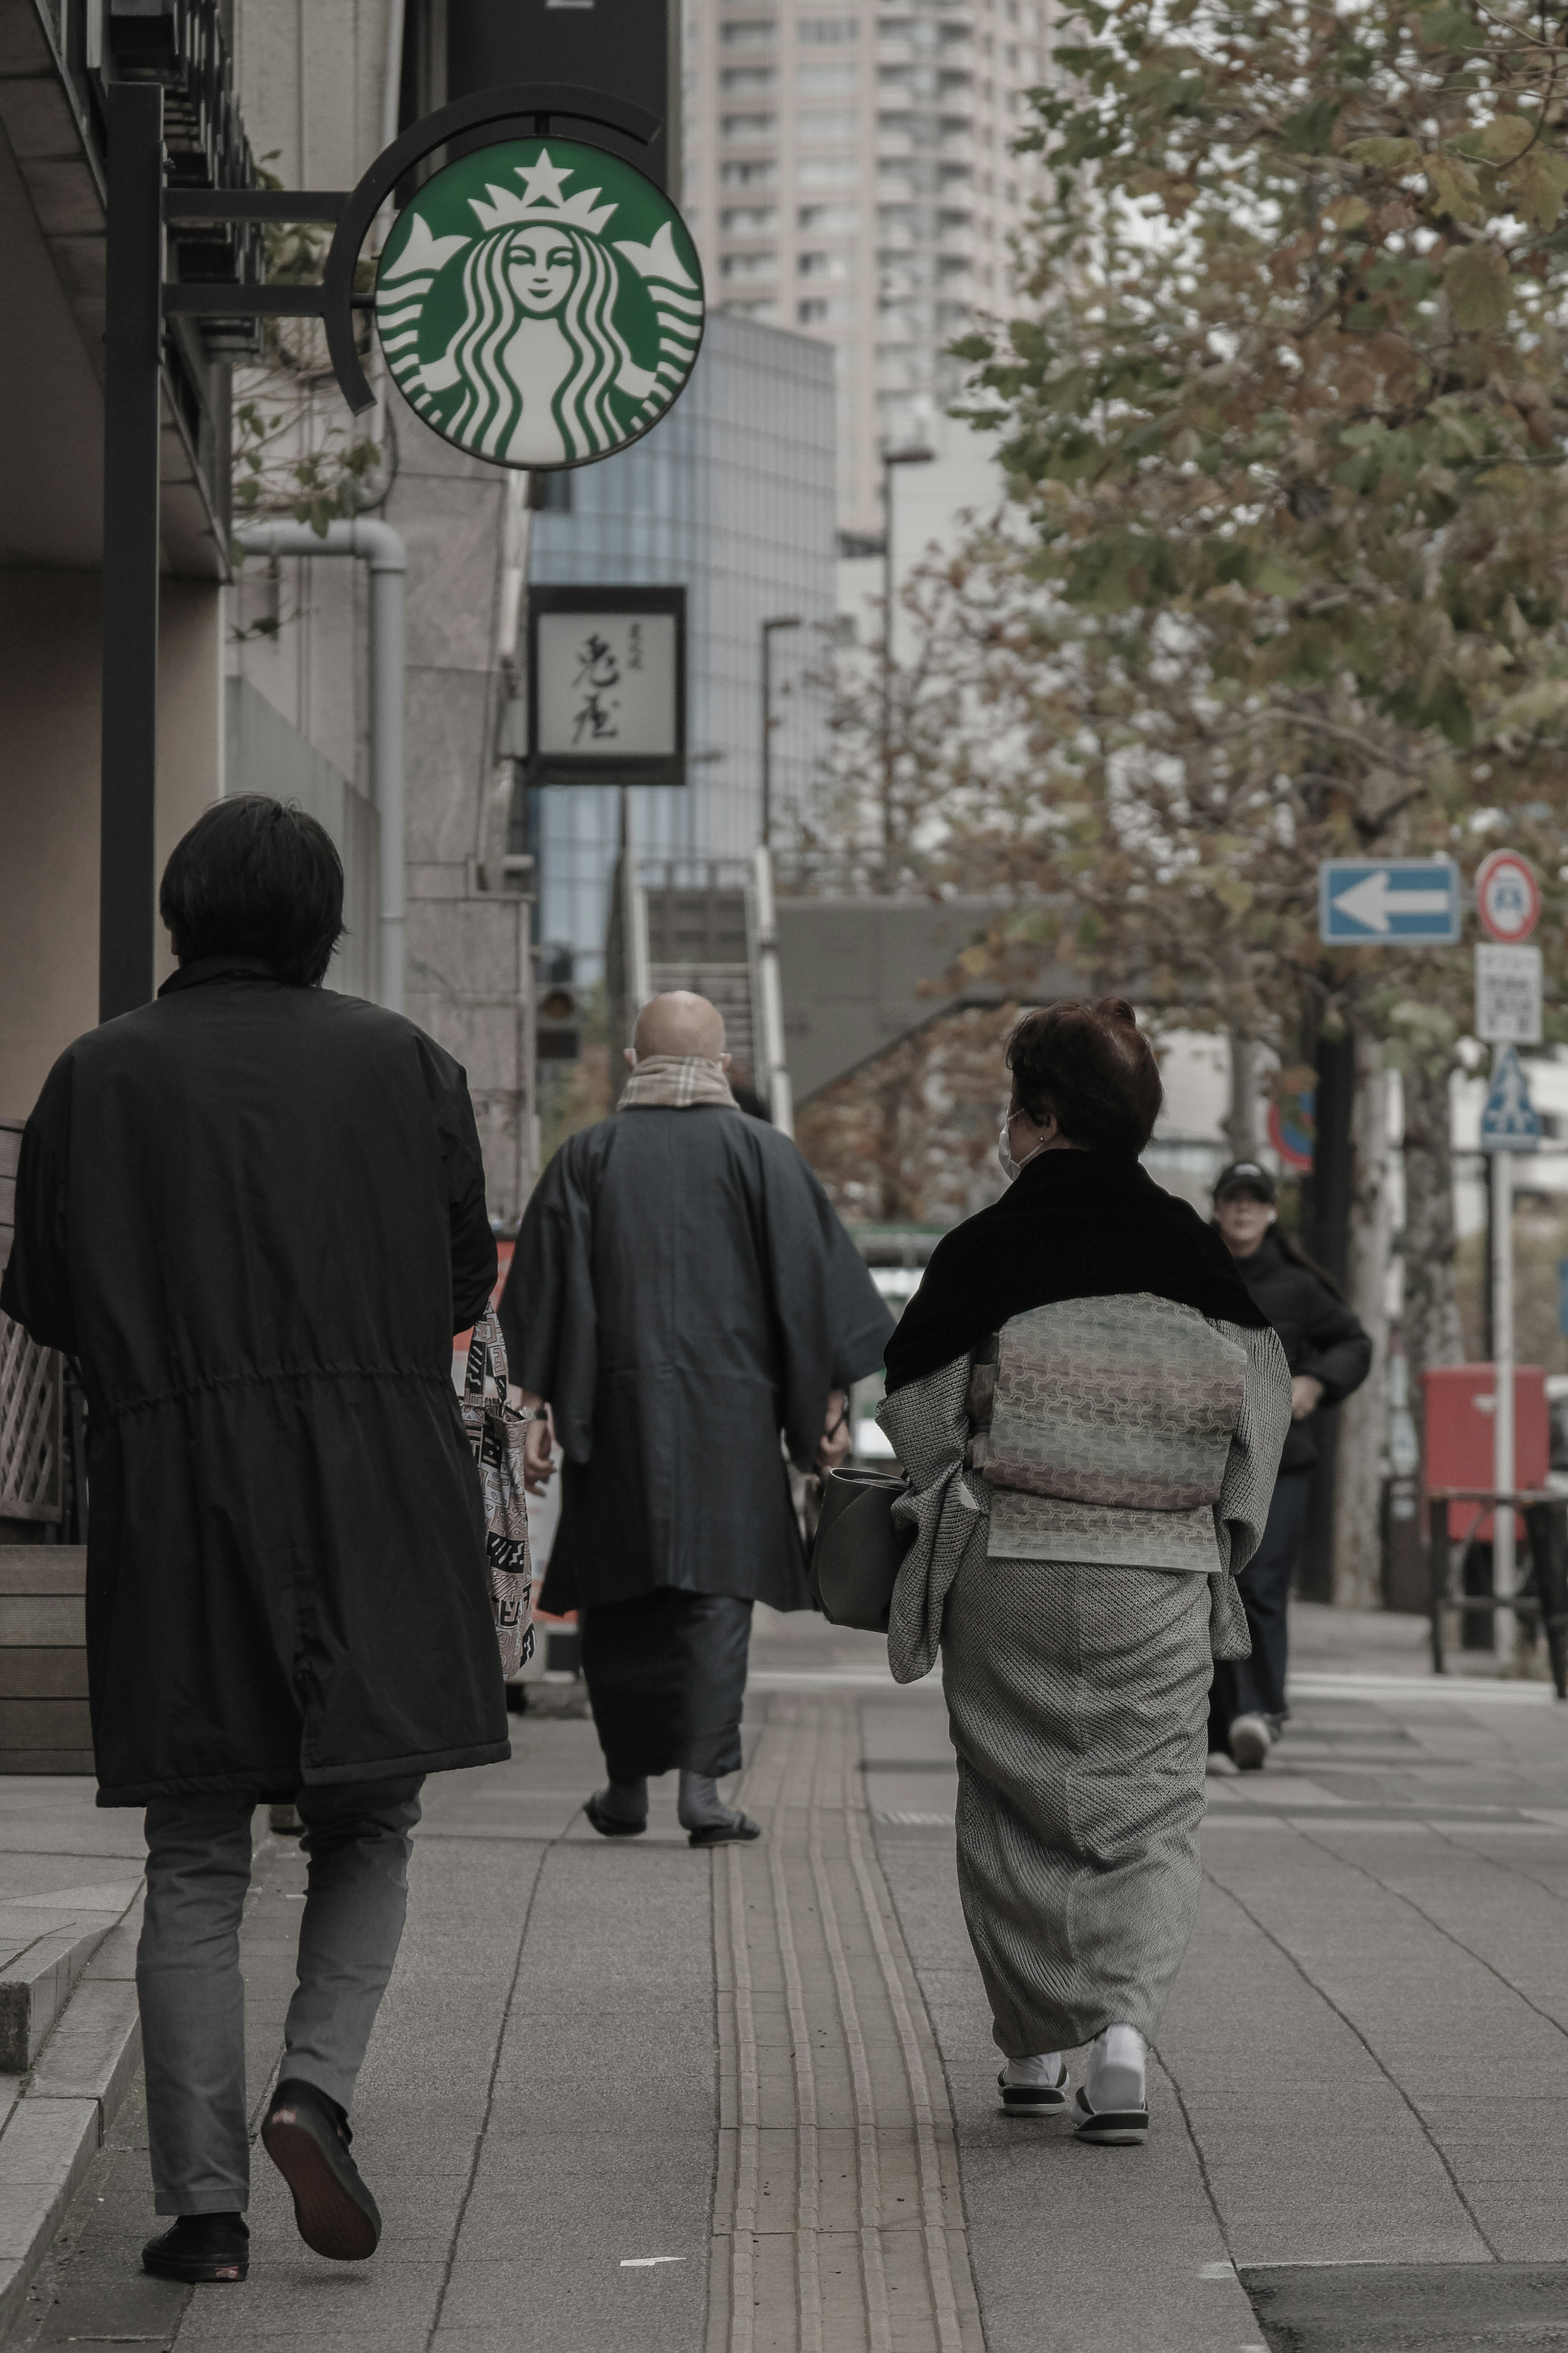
[
  {"x": 539, "y": 304},
  {"x": 607, "y": 686}
]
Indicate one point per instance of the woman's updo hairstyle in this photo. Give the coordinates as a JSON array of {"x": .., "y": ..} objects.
[{"x": 1093, "y": 1067}]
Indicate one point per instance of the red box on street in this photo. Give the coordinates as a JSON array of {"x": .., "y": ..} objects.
[{"x": 1459, "y": 1402}]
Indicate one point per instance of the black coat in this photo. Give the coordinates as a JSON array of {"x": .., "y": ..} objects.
[
  {"x": 682, "y": 1293},
  {"x": 1319, "y": 1334},
  {"x": 256, "y": 1216}
]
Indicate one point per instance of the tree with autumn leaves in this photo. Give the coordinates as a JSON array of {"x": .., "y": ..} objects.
[{"x": 1284, "y": 570}]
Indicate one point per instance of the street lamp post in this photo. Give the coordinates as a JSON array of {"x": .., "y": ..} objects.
[
  {"x": 781, "y": 1106},
  {"x": 917, "y": 456},
  {"x": 779, "y": 622}
]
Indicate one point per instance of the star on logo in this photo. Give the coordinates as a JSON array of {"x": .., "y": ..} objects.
[
  {"x": 542, "y": 199},
  {"x": 542, "y": 180}
]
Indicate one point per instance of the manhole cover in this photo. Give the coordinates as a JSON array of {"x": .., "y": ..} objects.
[{"x": 1410, "y": 2308}]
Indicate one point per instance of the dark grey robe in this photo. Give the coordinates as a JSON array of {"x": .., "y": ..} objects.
[{"x": 682, "y": 1293}]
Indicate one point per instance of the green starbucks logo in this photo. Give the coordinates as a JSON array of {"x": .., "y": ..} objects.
[{"x": 539, "y": 304}]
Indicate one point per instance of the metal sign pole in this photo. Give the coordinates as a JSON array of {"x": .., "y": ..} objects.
[
  {"x": 132, "y": 423},
  {"x": 1503, "y": 1406},
  {"x": 1507, "y": 1014}
]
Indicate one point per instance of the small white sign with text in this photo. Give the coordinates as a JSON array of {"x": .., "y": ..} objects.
[{"x": 1507, "y": 995}]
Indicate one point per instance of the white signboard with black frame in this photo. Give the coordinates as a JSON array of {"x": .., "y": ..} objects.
[
  {"x": 607, "y": 686},
  {"x": 1507, "y": 995}
]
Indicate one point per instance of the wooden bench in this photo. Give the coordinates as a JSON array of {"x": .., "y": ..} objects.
[{"x": 44, "y": 1722}]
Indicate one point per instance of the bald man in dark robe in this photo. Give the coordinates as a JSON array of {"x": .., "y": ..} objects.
[{"x": 687, "y": 1305}]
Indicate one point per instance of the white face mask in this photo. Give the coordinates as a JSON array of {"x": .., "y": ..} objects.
[{"x": 1010, "y": 1166}]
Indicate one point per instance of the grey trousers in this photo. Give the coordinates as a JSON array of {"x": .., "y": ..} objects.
[{"x": 191, "y": 1995}]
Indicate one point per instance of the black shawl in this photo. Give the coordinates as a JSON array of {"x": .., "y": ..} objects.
[{"x": 1075, "y": 1225}]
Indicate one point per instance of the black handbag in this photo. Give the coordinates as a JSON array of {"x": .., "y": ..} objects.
[{"x": 860, "y": 1548}]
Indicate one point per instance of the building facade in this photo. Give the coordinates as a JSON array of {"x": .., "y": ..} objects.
[
  {"x": 320, "y": 103},
  {"x": 731, "y": 495},
  {"x": 54, "y": 62},
  {"x": 849, "y": 172}
]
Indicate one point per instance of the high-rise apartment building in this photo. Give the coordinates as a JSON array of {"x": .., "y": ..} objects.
[{"x": 849, "y": 172}]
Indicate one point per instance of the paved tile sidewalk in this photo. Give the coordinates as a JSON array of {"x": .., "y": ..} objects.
[{"x": 633, "y": 2099}]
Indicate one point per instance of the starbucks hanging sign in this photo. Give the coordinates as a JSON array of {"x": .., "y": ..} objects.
[{"x": 539, "y": 304}]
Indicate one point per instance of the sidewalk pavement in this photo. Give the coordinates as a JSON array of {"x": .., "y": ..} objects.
[
  {"x": 69, "y": 2041},
  {"x": 630, "y": 2096}
]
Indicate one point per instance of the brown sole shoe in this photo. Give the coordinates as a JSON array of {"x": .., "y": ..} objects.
[{"x": 335, "y": 2212}]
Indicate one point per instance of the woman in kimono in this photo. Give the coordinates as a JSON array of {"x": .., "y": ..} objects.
[{"x": 1090, "y": 1409}]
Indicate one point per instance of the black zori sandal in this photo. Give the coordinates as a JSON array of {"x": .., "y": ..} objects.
[
  {"x": 204, "y": 2249},
  {"x": 307, "y": 2136},
  {"x": 1034, "y": 2099},
  {"x": 738, "y": 1828},
  {"x": 1113, "y": 2127},
  {"x": 611, "y": 1825}
]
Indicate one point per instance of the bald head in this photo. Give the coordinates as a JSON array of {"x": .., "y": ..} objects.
[{"x": 679, "y": 1022}]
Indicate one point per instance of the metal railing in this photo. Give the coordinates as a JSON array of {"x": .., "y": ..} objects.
[
  {"x": 1542, "y": 1597},
  {"x": 32, "y": 1453}
]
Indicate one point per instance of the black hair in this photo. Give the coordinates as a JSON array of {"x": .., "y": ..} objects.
[
  {"x": 1291, "y": 1253},
  {"x": 1295, "y": 1255},
  {"x": 258, "y": 877},
  {"x": 1093, "y": 1067}
]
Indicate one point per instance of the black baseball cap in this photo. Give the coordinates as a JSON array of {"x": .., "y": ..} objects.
[{"x": 1244, "y": 1177}]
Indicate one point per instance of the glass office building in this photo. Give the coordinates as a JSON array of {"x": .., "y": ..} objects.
[{"x": 732, "y": 495}]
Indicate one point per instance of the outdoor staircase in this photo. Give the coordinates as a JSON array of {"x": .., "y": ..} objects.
[{"x": 699, "y": 937}]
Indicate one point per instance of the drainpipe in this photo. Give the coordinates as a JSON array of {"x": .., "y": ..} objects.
[{"x": 381, "y": 549}]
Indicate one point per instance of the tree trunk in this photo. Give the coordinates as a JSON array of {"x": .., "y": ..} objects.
[
  {"x": 1363, "y": 1432},
  {"x": 1430, "y": 1315},
  {"x": 1241, "y": 1119}
]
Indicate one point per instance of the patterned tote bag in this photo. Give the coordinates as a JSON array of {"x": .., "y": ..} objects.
[{"x": 496, "y": 1434}]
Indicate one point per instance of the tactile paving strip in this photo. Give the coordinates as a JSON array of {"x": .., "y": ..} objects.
[{"x": 837, "y": 2221}]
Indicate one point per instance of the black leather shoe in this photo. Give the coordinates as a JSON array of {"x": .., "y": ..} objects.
[
  {"x": 202, "y": 2248},
  {"x": 307, "y": 2136}
]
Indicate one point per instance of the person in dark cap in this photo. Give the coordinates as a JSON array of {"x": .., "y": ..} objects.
[{"x": 1329, "y": 1355}]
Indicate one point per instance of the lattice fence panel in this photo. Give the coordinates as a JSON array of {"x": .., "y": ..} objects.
[{"x": 32, "y": 1454}]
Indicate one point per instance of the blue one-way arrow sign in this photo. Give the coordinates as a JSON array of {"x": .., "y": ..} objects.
[{"x": 1388, "y": 900}]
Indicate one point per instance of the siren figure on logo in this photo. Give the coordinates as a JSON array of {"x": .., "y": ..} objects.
[{"x": 539, "y": 342}]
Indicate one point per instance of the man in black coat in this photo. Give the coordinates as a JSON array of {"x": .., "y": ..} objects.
[
  {"x": 1330, "y": 1354},
  {"x": 255, "y": 1212},
  {"x": 682, "y": 1294}
]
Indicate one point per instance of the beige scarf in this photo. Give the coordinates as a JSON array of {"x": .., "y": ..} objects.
[{"x": 676, "y": 1080}]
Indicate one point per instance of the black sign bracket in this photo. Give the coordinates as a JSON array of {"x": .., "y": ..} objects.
[{"x": 532, "y": 107}]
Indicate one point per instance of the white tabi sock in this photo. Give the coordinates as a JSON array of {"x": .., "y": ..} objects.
[
  {"x": 1042, "y": 2068},
  {"x": 1116, "y": 2077}
]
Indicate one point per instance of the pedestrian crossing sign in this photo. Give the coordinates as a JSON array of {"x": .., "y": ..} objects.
[{"x": 1509, "y": 1121}]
